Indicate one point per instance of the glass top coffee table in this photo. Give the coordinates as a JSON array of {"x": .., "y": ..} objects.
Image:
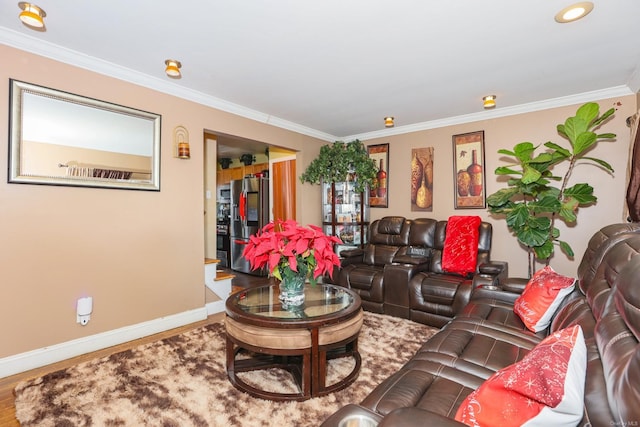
[{"x": 299, "y": 339}]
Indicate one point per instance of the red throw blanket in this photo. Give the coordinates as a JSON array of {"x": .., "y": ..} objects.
[{"x": 460, "y": 252}]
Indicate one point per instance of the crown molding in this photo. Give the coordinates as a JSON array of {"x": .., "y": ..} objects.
[
  {"x": 49, "y": 50},
  {"x": 546, "y": 104},
  {"x": 634, "y": 80}
]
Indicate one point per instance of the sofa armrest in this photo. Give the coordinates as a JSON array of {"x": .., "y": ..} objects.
[
  {"x": 412, "y": 416},
  {"x": 493, "y": 292},
  {"x": 497, "y": 269},
  {"x": 514, "y": 284},
  {"x": 351, "y": 256}
]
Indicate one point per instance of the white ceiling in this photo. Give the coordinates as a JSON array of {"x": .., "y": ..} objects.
[{"x": 334, "y": 68}]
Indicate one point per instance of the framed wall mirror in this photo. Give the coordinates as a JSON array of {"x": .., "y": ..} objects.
[{"x": 60, "y": 138}]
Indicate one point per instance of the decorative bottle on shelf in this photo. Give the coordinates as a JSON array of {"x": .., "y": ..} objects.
[
  {"x": 382, "y": 180},
  {"x": 475, "y": 173}
]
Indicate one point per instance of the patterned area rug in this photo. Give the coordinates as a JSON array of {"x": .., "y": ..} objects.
[{"x": 182, "y": 381}]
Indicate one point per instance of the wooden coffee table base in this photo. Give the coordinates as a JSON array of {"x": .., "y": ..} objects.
[{"x": 303, "y": 352}]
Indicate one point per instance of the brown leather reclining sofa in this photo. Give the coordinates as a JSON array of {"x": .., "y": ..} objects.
[
  {"x": 399, "y": 272},
  {"x": 487, "y": 336}
]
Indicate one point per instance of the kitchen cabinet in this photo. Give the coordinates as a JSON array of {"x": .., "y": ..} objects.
[
  {"x": 225, "y": 176},
  {"x": 345, "y": 213}
]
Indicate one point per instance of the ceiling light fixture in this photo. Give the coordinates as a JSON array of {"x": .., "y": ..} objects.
[
  {"x": 574, "y": 12},
  {"x": 388, "y": 122},
  {"x": 173, "y": 68},
  {"x": 32, "y": 15},
  {"x": 489, "y": 101}
]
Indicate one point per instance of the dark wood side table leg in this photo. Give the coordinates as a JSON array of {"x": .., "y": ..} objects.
[
  {"x": 322, "y": 370},
  {"x": 231, "y": 357},
  {"x": 306, "y": 375},
  {"x": 315, "y": 367}
]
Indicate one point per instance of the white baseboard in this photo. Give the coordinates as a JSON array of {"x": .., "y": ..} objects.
[
  {"x": 44, "y": 356},
  {"x": 215, "y": 307}
]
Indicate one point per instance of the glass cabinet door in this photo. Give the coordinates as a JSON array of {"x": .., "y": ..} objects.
[{"x": 345, "y": 214}]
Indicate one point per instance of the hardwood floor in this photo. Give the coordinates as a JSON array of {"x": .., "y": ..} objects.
[{"x": 7, "y": 384}]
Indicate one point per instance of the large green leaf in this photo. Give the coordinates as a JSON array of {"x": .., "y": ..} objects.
[
  {"x": 530, "y": 175},
  {"x": 545, "y": 204},
  {"x": 566, "y": 248},
  {"x": 544, "y": 250},
  {"x": 588, "y": 112},
  {"x": 559, "y": 149},
  {"x": 582, "y": 192},
  {"x": 542, "y": 158},
  {"x": 583, "y": 142},
  {"x": 524, "y": 151},
  {"x": 607, "y": 136},
  {"x": 601, "y": 162},
  {"x": 504, "y": 170},
  {"x": 573, "y": 127},
  {"x": 533, "y": 237},
  {"x": 518, "y": 216},
  {"x": 603, "y": 117},
  {"x": 540, "y": 222},
  {"x": 501, "y": 196},
  {"x": 550, "y": 192},
  {"x": 568, "y": 210}
]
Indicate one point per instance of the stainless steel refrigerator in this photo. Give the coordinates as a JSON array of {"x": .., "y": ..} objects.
[{"x": 249, "y": 213}]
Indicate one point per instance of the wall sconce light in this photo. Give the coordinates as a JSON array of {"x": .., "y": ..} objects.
[
  {"x": 388, "y": 122},
  {"x": 489, "y": 101},
  {"x": 181, "y": 141},
  {"x": 173, "y": 68},
  {"x": 32, "y": 15},
  {"x": 574, "y": 12}
]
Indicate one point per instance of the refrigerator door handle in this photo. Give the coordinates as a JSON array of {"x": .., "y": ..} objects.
[{"x": 243, "y": 206}]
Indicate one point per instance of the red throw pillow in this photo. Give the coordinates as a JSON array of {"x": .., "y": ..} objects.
[
  {"x": 460, "y": 252},
  {"x": 545, "y": 388},
  {"x": 541, "y": 298}
]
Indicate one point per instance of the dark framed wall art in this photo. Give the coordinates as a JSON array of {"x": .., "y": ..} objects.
[
  {"x": 469, "y": 171},
  {"x": 379, "y": 196}
]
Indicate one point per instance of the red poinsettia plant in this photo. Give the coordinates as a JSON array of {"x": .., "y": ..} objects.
[{"x": 289, "y": 250}]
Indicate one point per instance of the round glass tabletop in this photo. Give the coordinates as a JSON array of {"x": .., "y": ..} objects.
[{"x": 320, "y": 300}]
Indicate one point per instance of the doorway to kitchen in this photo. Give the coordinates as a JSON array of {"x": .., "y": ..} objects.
[{"x": 229, "y": 158}]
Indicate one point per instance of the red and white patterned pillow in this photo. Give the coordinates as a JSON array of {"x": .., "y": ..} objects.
[
  {"x": 545, "y": 388},
  {"x": 541, "y": 298}
]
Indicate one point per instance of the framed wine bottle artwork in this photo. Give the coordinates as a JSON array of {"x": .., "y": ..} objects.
[
  {"x": 422, "y": 179},
  {"x": 468, "y": 171},
  {"x": 378, "y": 195}
]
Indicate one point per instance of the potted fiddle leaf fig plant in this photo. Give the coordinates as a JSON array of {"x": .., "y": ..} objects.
[
  {"x": 337, "y": 160},
  {"x": 531, "y": 203}
]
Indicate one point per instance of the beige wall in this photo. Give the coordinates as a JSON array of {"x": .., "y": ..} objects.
[
  {"x": 538, "y": 128},
  {"x": 138, "y": 253}
]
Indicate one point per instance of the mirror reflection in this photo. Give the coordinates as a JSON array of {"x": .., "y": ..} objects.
[{"x": 65, "y": 139}]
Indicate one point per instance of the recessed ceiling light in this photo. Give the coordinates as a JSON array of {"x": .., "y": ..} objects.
[
  {"x": 388, "y": 122},
  {"x": 574, "y": 12},
  {"x": 32, "y": 15},
  {"x": 489, "y": 101},
  {"x": 173, "y": 68}
]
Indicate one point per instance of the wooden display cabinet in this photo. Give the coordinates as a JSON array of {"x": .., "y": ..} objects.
[{"x": 345, "y": 213}]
